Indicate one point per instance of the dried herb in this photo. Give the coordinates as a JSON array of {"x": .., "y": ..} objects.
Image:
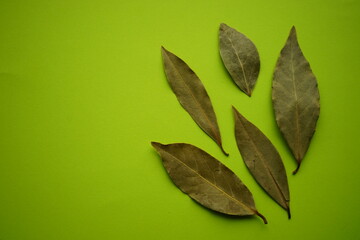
[
  {"x": 192, "y": 95},
  {"x": 240, "y": 58},
  {"x": 295, "y": 97},
  {"x": 206, "y": 180},
  {"x": 262, "y": 160}
]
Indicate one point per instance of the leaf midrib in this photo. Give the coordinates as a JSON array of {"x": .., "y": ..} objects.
[
  {"x": 241, "y": 65},
  {"x": 297, "y": 143},
  {"x": 212, "y": 184}
]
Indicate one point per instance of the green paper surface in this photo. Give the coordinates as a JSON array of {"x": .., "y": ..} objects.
[{"x": 83, "y": 92}]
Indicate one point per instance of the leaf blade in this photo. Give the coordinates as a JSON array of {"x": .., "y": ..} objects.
[
  {"x": 263, "y": 160},
  {"x": 206, "y": 180},
  {"x": 295, "y": 97},
  {"x": 192, "y": 95},
  {"x": 240, "y": 57}
]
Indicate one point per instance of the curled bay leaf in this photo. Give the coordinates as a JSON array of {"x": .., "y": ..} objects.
[
  {"x": 295, "y": 97},
  {"x": 240, "y": 58},
  {"x": 206, "y": 180},
  {"x": 263, "y": 160},
  {"x": 192, "y": 95}
]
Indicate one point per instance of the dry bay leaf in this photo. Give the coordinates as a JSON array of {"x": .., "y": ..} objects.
[
  {"x": 240, "y": 58},
  {"x": 206, "y": 180},
  {"x": 192, "y": 95},
  {"x": 263, "y": 160},
  {"x": 295, "y": 97}
]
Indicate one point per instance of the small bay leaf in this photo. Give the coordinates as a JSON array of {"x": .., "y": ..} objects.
[
  {"x": 263, "y": 160},
  {"x": 192, "y": 95},
  {"x": 295, "y": 97},
  {"x": 206, "y": 180},
  {"x": 240, "y": 58}
]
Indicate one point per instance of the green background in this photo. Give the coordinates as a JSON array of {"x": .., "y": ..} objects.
[{"x": 83, "y": 92}]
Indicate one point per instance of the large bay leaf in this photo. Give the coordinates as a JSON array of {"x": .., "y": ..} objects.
[
  {"x": 191, "y": 94},
  {"x": 240, "y": 58},
  {"x": 262, "y": 160},
  {"x": 295, "y": 97},
  {"x": 206, "y": 180}
]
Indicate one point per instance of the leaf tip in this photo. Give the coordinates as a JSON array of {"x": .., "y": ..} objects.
[
  {"x": 163, "y": 49},
  {"x": 236, "y": 112},
  {"x": 156, "y": 145}
]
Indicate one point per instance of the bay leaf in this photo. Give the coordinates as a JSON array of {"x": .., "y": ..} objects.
[
  {"x": 206, "y": 180},
  {"x": 240, "y": 58},
  {"x": 295, "y": 97},
  {"x": 192, "y": 95},
  {"x": 263, "y": 160}
]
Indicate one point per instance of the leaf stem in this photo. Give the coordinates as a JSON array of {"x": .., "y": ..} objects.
[
  {"x": 222, "y": 149},
  {"x": 297, "y": 168},
  {"x": 288, "y": 211},
  {"x": 262, "y": 217}
]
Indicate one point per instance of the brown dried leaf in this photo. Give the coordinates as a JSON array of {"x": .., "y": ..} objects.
[
  {"x": 295, "y": 97},
  {"x": 240, "y": 58},
  {"x": 262, "y": 160},
  {"x": 206, "y": 180},
  {"x": 192, "y": 95}
]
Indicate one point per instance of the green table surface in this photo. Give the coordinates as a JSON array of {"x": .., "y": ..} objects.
[{"x": 83, "y": 92}]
